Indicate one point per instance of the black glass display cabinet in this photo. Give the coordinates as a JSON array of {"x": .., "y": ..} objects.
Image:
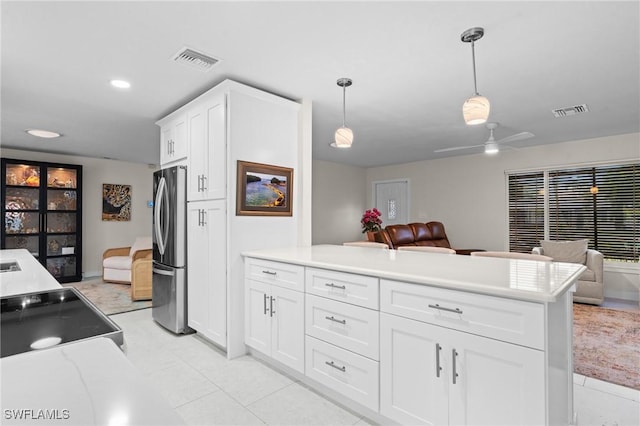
[{"x": 42, "y": 210}]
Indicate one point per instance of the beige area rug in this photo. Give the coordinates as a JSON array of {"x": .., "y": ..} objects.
[
  {"x": 606, "y": 344},
  {"x": 110, "y": 298}
]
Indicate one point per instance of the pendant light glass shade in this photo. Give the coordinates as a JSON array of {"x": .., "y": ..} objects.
[
  {"x": 344, "y": 136},
  {"x": 476, "y": 110}
]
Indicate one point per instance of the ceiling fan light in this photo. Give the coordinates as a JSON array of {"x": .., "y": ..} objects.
[
  {"x": 343, "y": 138},
  {"x": 491, "y": 148},
  {"x": 476, "y": 110}
]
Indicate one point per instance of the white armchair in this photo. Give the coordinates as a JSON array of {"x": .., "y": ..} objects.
[
  {"x": 117, "y": 262},
  {"x": 590, "y": 285}
]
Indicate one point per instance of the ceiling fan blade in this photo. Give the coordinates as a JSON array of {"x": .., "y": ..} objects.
[
  {"x": 517, "y": 137},
  {"x": 455, "y": 148}
]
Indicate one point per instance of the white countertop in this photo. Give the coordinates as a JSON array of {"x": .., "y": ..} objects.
[
  {"x": 32, "y": 276},
  {"x": 513, "y": 278},
  {"x": 85, "y": 383}
]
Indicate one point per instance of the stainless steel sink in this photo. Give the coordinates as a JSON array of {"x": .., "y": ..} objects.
[
  {"x": 9, "y": 266},
  {"x": 39, "y": 320}
]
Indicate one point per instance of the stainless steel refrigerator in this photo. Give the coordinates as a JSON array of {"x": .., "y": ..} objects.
[{"x": 170, "y": 249}]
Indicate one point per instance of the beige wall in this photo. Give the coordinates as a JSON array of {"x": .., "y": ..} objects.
[
  {"x": 339, "y": 199},
  {"x": 99, "y": 235},
  {"x": 468, "y": 193}
]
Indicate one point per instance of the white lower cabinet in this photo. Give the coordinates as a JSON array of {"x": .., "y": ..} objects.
[
  {"x": 412, "y": 353},
  {"x": 434, "y": 375},
  {"x": 351, "y": 327},
  {"x": 353, "y": 375},
  {"x": 274, "y": 322},
  {"x": 206, "y": 270}
]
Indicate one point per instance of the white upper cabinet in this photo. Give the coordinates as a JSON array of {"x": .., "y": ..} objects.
[
  {"x": 173, "y": 139},
  {"x": 207, "y": 149}
]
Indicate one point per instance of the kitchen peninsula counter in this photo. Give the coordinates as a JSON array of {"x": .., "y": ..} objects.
[
  {"x": 418, "y": 338},
  {"x": 512, "y": 278}
]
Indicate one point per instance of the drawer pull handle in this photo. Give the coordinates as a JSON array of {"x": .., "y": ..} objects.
[
  {"x": 438, "y": 368},
  {"x": 454, "y": 355},
  {"x": 331, "y": 364},
  {"x": 270, "y": 273},
  {"x": 341, "y": 287},
  {"x": 331, "y": 318},
  {"x": 442, "y": 308}
]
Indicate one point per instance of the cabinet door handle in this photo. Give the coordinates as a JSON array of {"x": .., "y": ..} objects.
[
  {"x": 269, "y": 273},
  {"x": 271, "y": 306},
  {"x": 265, "y": 304},
  {"x": 331, "y": 318},
  {"x": 438, "y": 368},
  {"x": 204, "y": 217},
  {"x": 332, "y": 364},
  {"x": 342, "y": 287},
  {"x": 204, "y": 186},
  {"x": 442, "y": 308},
  {"x": 199, "y": 217},
  {"x": 198, "y": 183},
  {"x": 454, "y": 355}
]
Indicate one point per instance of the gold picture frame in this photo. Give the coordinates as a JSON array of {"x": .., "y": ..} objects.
[{"x": 263, "y": 190}]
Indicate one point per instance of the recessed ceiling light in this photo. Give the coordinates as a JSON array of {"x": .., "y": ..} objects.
[
  {"x": 43, "y": 133},
  {"x": 120, "y": 84}
]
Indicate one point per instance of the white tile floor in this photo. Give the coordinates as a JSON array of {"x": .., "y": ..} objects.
[{"x": 206, "y": 389}]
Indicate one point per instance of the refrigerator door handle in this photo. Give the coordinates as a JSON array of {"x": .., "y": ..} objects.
[
  {"x": 163, "y": 272},
  {"x": 157, "y": 214}
]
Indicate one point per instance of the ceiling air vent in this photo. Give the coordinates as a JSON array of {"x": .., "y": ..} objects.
[
  {"x": 195, "y": 59},
  {"x": 573, "y": 110}
]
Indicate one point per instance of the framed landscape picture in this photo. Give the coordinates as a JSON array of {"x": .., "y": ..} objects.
[
  {"x": 116, "y": 202},
  {"x": 263, "y": 190}
]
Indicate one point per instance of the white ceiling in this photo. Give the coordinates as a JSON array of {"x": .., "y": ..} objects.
[{"x": 410, "y": 70}]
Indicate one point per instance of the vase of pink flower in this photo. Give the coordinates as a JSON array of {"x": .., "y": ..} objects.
[{"x": 371, "y": 222}]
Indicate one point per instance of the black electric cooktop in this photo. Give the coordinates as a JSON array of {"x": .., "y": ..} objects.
[{"x": 40, "y": 320}]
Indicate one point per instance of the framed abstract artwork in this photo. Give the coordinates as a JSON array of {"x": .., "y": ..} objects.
[{"x": 116, "y": 202}]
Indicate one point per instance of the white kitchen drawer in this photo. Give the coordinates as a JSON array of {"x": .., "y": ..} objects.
[
  {"x": 276, "y": 273},
  {"x": 508, "y": 320},
  {"x": 352, "y": 375},
  {"x": 359, "y": 290},
  {"x": 348, "y": 326}
]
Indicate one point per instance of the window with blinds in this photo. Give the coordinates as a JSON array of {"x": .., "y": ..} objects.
[
  {"x": 526, "y": 211},
  {"x": 601, "y": 204}
]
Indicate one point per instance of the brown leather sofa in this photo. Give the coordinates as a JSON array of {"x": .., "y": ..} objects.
[{"x": 417, "y": 234}]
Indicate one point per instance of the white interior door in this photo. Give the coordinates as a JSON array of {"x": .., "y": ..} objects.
[{"x": 392, "y": 199}]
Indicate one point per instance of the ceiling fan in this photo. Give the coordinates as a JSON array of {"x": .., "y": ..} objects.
[{"x": 491, "y": 146}]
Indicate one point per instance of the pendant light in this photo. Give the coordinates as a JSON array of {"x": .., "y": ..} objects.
[
  {"x": 475, "y": 109},
  {"x": 344, "y": 135}
]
